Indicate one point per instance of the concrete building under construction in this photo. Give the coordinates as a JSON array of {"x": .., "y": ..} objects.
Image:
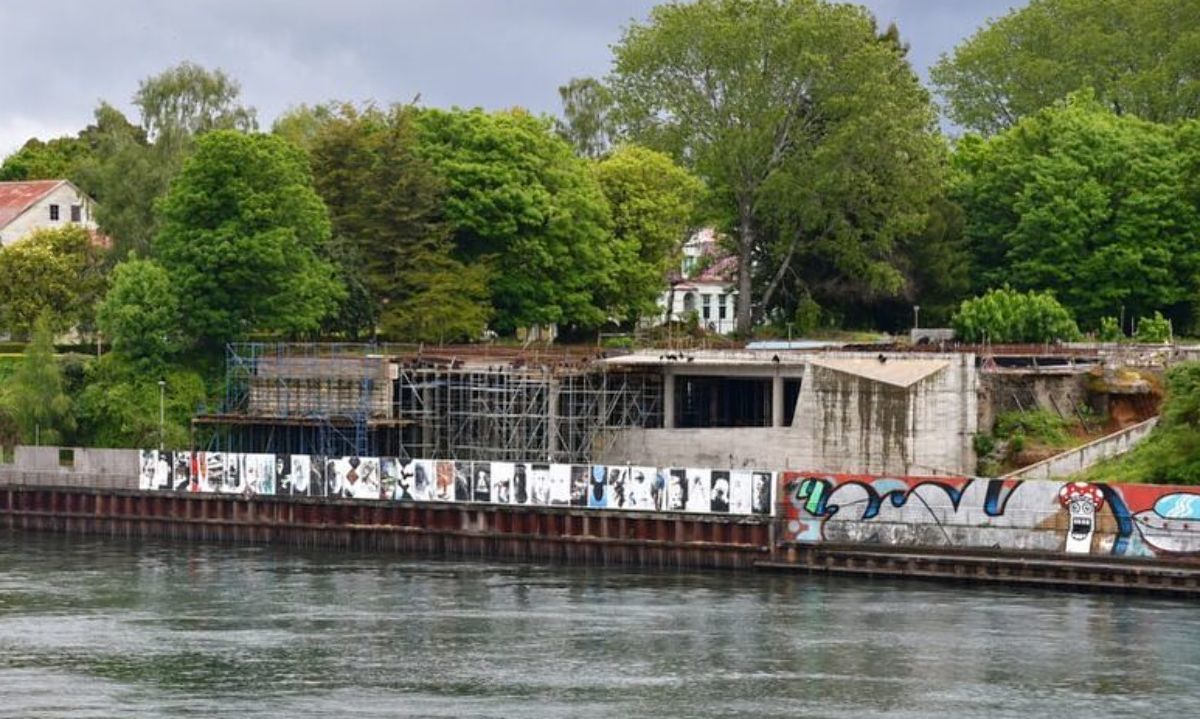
[{"x": 819, "y": 410}]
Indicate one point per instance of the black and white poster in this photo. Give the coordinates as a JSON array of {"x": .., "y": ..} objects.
[
  {"x": 718, "y": 492},
  {"x": 640, "y": 488},
  {"x": 481, "y": 481},
  {"x": 580, "y": 480},
  {"x": 502, "y": 477}
]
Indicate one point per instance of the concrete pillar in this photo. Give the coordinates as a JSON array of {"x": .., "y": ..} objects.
[
  {"x": 668, "y": 400},
  {"x": 777, "y": 401}
]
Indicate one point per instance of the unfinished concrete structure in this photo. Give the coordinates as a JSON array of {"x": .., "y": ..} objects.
[{"x": 832, "y": 411}]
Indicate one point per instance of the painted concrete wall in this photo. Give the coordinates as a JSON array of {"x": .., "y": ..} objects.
[
  {"x": 1034, "y": 515},
  {"x": 843, "y": 423},
  {"x": 1080, "y": 458},
  {"x": 38, "y": 216}
]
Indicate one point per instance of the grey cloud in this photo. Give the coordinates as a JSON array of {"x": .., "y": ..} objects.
[{"x": 69, "y": 55}]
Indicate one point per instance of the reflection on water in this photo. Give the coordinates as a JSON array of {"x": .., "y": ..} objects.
[{"x": 93, "y": 627}]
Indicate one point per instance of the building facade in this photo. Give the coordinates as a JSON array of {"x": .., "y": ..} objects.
[
  {"x": 42, "y": 204},
  {"x": 704, "y": 288}
]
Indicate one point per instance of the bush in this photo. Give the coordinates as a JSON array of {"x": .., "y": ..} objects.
[
  {"x": 1037, "y": 426},
  {"x": 1006, "y": 315},
  {"x": 1154, "y": 329},
  {"x": 1110, "y": 330}
]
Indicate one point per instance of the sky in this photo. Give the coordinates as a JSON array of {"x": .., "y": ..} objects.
[{"x": 64, "y": 57}]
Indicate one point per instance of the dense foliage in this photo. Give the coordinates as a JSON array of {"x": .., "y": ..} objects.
[
  {"x": 57, "y": 273},
  {"x": 1006, "y": 315}
]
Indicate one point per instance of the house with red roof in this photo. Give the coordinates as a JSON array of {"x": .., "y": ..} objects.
[
  {"x": 41, "y": 204},
  {"x": 705, "y": 287}
]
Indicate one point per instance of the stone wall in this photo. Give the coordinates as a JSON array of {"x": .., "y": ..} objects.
[{"x": 1080, "y": 458}]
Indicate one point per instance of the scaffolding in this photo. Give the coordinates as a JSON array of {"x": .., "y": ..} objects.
[{"x": 368, "y": 400}]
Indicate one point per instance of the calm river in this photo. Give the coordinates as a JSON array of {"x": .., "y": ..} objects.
[{"x": 92, "y": 627}]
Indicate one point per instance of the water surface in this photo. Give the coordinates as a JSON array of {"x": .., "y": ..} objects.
[{"x": 98, "y": 627}]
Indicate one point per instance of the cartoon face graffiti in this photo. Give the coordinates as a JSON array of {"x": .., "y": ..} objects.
[{"x": 1082, "y": 501}]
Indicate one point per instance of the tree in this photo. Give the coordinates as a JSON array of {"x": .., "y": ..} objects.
[
  {"x": 587, "y": 123},
  {"x": 1140, "y": 56},
  {"x": 654, "y": 204},
  {"x": 242, "y": 238},
  {"x": 385, "y": 201},
  {"x": 51, "y": 160},
  {"x": 301, "y": 124},
  {"x": 1088, "y": 204},
  {"x": 1006, "y": 315},
  {"x": 188, "y": 100},
  {"x": 35, "y": 395},
  {"x": 56, "y": 273},
  {"x": 140, "y": 314},
  {"x": 810, "y": 129},
  {"x": 119, "y": 407},
  {"x": 518, "y": 200}
]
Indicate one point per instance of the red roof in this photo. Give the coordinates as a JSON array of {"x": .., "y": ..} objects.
[{"x": 16, "y": 197}]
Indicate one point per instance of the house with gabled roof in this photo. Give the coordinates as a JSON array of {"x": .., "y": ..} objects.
[
  {"x": 705, "y": 287},
  {"x": 42, "y": 204}
]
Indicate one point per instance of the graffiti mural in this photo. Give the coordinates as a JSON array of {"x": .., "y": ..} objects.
[{"x": 1034, "y": 515}]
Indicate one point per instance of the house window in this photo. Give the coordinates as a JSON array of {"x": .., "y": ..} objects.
[
  {"x": 76, "y": 213},
  {"x": 54, "y": 213},
  {"x": 689, "y": 264},
  {"x": 707, "y": 302},
  {"x": 721, "y": 306}
]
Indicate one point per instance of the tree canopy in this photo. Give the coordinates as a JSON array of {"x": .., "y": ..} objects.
[
  {"x": 56, "y": 273},
  {"x": 519, "y": 201},
  {"x": 242, "y": 239},
  {"x": 140, "y": 314},
  {"x": 808, "y": 125},
  {"x": 1142, "y": 57},
  {"x": 1088, "y": 204}
]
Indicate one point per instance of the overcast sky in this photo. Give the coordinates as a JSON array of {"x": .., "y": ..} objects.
[{"x": 63, "y": 57}]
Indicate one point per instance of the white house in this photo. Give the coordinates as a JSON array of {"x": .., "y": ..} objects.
[
  {"x": 706, "y": 285},
  {"x": 40, "y": 204}
]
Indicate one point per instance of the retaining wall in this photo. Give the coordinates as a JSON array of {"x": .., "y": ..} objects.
[{"x": 1080, "y": 458}]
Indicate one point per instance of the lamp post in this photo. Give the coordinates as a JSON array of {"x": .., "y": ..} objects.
[
  {"x": 162, "y": 412},
  {"x": 916, "y": 317}
]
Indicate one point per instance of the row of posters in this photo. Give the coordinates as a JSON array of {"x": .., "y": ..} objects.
[{"x": 625, "y": 487}]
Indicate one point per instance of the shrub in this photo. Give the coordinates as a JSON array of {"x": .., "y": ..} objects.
[
  {"x": 1154, "y": 329},
  {"x": 1006, "y": 315},
  {"x": 1110, "y": 330},
  {"x": 1038, "y": 426}
]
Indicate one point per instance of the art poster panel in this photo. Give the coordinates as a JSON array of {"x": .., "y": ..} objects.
[
  {"x": 762, "y": 486},
  {"x": 258, "y": 473},
  {"x": 539, "y": 484},
  {"x": 421, "y": 485},
  {"x": 581, "y": 477},
  {"x": 560, "y": 485},
  {"x": 444, "y": 486},
  {"x": 199, "y": 474},
  {"x": 639, "y": 488},
  {"x": 181, "y": 471},
  {"x": 481, "y": 481},
  {"x": 392, "y": 481},
  {"x": 462, "y": 481},
  {"x": 618, "y": 487},
  {"x": 294, "y": 474},
  {"x": 502, "y": 477},
  {"x": 368, "y": 485},
  {"x": 677, "y": 490},
  {"x": 597, "y": 496},
  {"x": 321, "y": 476},
  {"x": 231, "y": 473},
  {"x": 698, "y": 490},
  {"x": 718, "y": 492},
  {"x": 150, "y": 474},
  {"x": 658, "y": 491},
  {"x": 740, "y": 491},
  {"x": 520, "y": 483}
]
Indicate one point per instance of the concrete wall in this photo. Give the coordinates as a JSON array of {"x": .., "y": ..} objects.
[
  {"x": 38, "y": 216},
  {"x": 843, "y": 423},
  {"x": 1080, "y": 458},
  {"x": 1056, "y": 392},
  {"x": 989, "y": 514},
  {"x": 80, "y": 467}
]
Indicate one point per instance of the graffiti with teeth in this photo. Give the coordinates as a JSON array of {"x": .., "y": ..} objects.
[{"x": 1044, "y": 516}]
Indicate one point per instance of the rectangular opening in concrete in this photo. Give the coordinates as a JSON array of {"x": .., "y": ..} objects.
[
  {"x": 706, "y": 401},
  {"x": 66, "y": 458},
  {"x": 791, "y": 397}
]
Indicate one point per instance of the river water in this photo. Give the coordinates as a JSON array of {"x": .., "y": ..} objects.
[{"x": 98, "y": 627}]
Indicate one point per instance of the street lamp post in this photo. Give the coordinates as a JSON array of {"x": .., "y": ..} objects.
[
  {"x": 162, "y": 412},
  {"x": 916, "y": 317}
]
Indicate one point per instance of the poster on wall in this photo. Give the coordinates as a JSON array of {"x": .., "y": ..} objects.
[
  {"x": 258, "y": 473},
  {"x": 393, "y": 482},
  {"x": 462, "y": 481},
  {"x": 502, "y": 477},
  {"x": 539, "y": 485},
  {"x": 230, "y": 471},
  {"x": 354, "y": 477},
  {"x": 520, "y": 484},
  {"x": 294, "y": 474},
  {"x": 762, "y": 490},
  {"x": 481, "y": 481},
  {"x": 154, "y": 470},
  {"x": 698, "y": 490},
  {"x": 640, "y": 488},
  {"x": 597, "y": 496},
  {"x": 581, "y": 478},
  {"x": 740, "y": 493},
  {"x": 181, "y": 471},
  {"x": 618, "y": 488},
  {"x": 444, "y": 484},
  {"x": 677, "y": 490},
  {"x": 199, "y": 474},
  {"x": 718, "y": 493},
  {"x": 560, "y": 485}
]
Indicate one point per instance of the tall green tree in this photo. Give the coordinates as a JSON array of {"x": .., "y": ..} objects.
[
  {"x": 187, "y": 100},
  {"x": 35, "y": 396},
  {"x": 140, "y": 314},
  {"x": 1088, "y": 204},
  {"x": 588, "y": 121},
  {"x": 519, "y": 200},
  {"x": 243, "y": 237},
  {"x": 1142, "y": 57},
  {"x": 385, "y": 202},
  {"x": 654, "y": 204},
  {"x": 808, "y": 125},
  {"x": 56, "y": 274}
]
